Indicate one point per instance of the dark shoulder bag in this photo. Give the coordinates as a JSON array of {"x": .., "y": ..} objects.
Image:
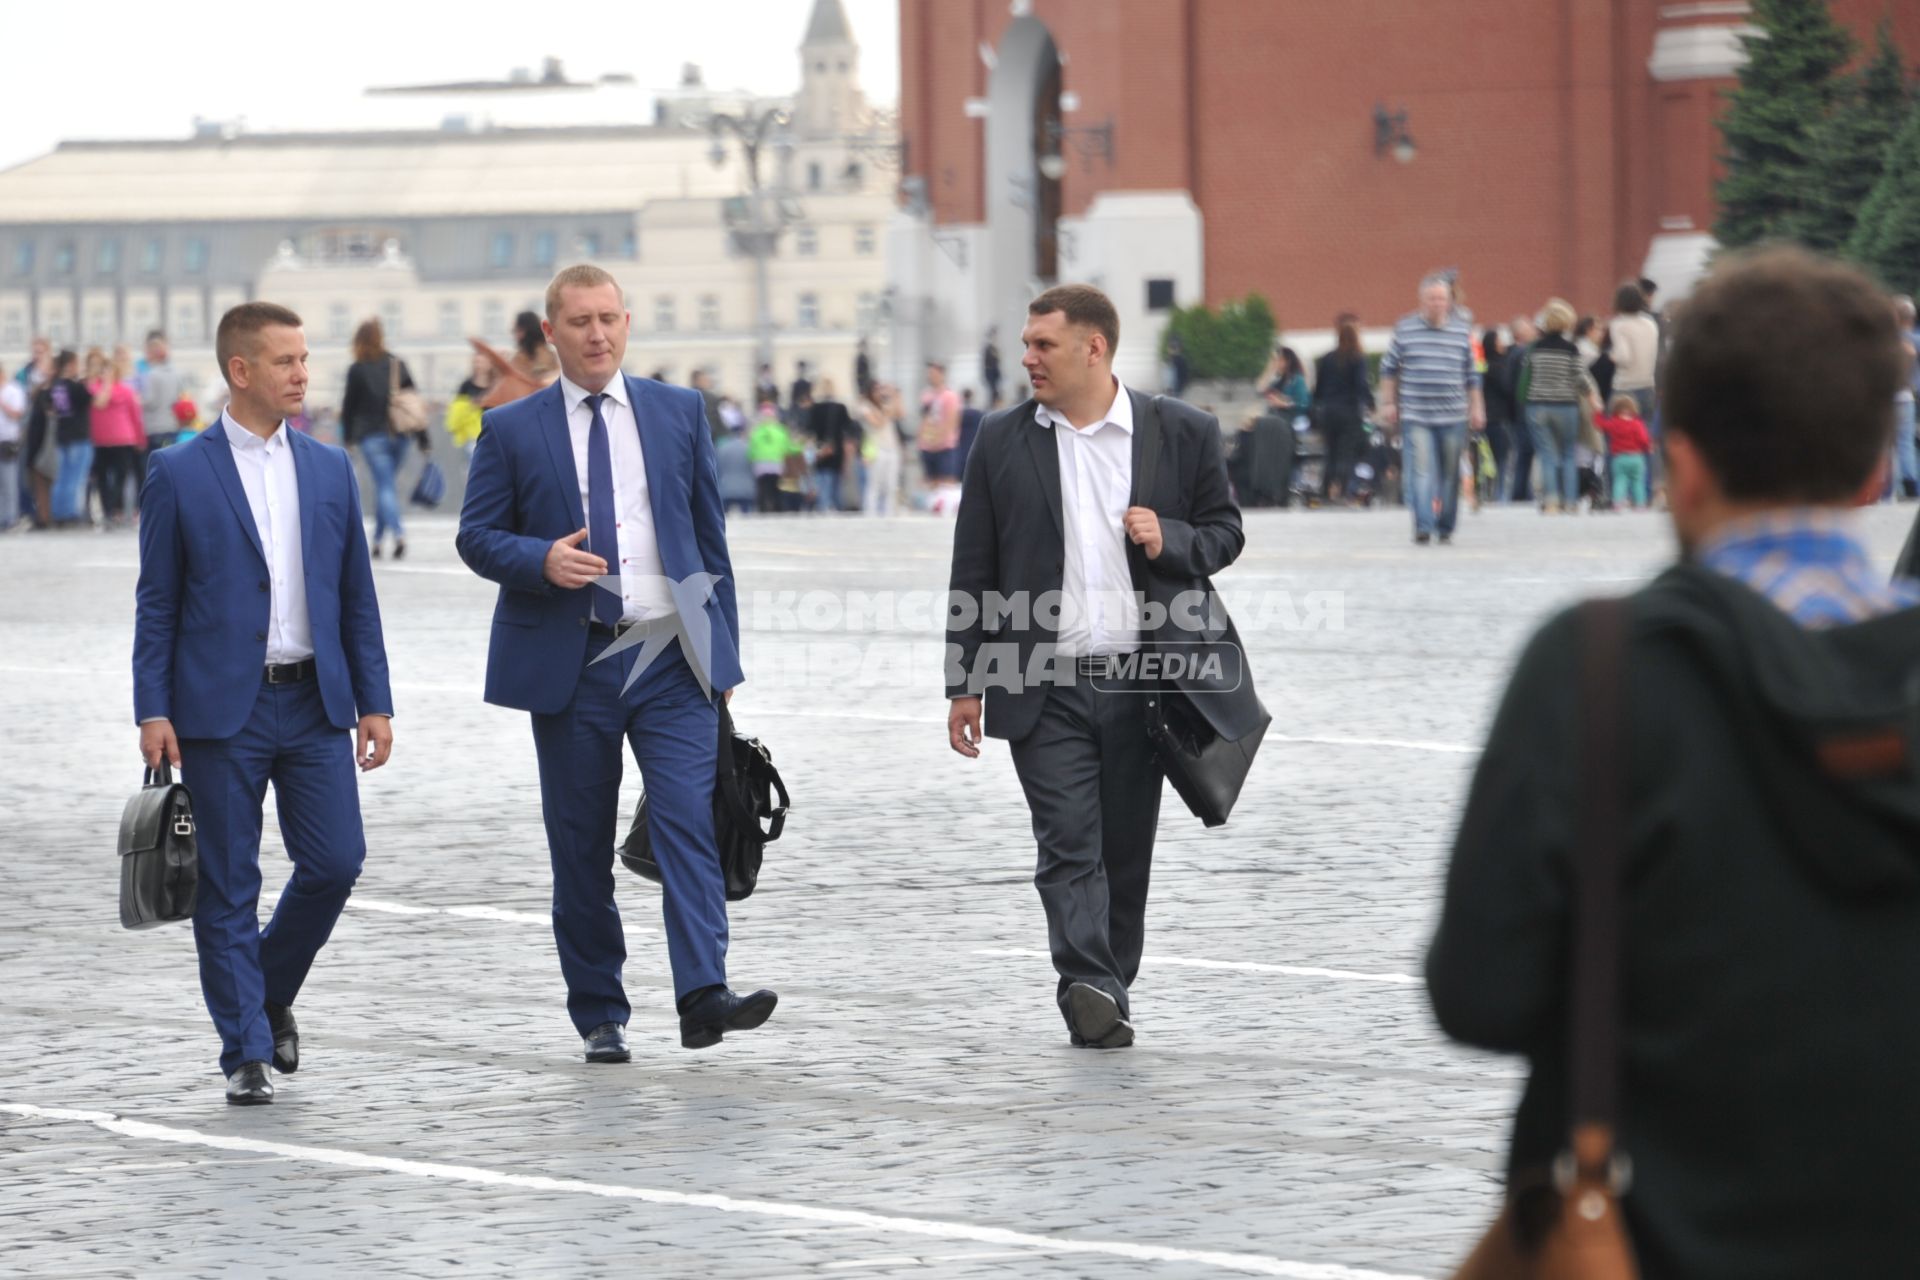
[
  {"x": 745, "y": 786},
  {"x": 1564, "y": 1222},
  {"x": 159, "y": 857},
  {"x": 1206, "y": 769}
]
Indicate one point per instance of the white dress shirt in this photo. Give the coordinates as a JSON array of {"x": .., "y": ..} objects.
[
  {"x": 643, "y": 578},
  {"x": 1098, "y": 614},
  {"x": 266, "y": 472}
]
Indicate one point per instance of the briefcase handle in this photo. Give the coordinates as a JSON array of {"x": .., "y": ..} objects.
[{"x": 163, "y": 776}]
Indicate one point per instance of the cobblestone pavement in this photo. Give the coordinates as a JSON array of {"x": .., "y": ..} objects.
[{"x": 914, "y": 1108}]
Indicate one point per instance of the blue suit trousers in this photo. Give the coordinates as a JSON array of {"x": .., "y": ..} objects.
[
  {"x": 288, "y": 741},
  {"x": 672, "y": 729}
]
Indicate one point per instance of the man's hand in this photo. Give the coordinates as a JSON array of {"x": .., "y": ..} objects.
[
  {"x": 374, "y": 732},
  {"x": 963, "y": 726},
  {"x": 1143, "y": 527},
  {"x": 1477, "y": 416},
  {"x": 157, "y": 740},
  {"x": 1387, "y": 415},
  {"x": 569, "y": 567}
]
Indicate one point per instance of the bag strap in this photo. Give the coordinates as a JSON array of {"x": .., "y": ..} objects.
[{"x": 1595, "y": 1024}]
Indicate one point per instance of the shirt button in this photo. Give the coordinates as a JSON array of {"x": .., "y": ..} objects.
[
  {"x": 263, "y": 586},
  {"x": 259, "y": 635}
]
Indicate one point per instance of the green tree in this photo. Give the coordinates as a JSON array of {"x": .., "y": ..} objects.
[
  {"x": 1887, "y": 238},
  {"x": 1786, "y": 91},
  {"x": 1233, "y": 342},
  {"x": 1851, "y": 146}
]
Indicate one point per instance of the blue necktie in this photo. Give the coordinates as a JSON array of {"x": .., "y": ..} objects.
[{"x": 603, "y": 537}]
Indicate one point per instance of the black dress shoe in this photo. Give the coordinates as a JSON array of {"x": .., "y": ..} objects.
[
  {"x": 607, "y": 1043},
  {"x": 249, "y": 1085},
  {"x": 706, "y": 1014},
  {"x": 1094, "y": 1021},
  {"x": 286, "y": 1039}
]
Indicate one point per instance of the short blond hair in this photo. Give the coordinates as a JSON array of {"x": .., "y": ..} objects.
[
  {"x": 1557, "y": 316},
  {"x": 581, "y": 275}
]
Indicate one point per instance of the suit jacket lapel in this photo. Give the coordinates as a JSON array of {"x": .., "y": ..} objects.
[
  {"x": 640, "y": 396},
  {"x": 1046, "y": 463},
  {"x": 553, "y": 427},
  {"x": 1146, "y": 449},
  {"x": 220, "y": 457}
]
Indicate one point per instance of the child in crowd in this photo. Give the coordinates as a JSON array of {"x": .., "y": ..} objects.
[{"x": 1629, "y": 444}]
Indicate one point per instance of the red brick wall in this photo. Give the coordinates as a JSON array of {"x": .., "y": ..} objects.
[{"x": 1539, "y": 167}]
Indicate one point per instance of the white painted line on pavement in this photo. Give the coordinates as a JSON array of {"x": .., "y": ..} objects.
[
  {"x": 1398, "y": 744},
  {"x": 1247, "y": 1263},
  {"x": 1239, "y": 966},
  {"x": 477, "y": 912}
]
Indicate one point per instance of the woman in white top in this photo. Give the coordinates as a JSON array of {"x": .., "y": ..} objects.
[
  {"x": 13, "y": 414},
  {"x": 880, "y": 450},
  {"x": 1636, "y": 347}
]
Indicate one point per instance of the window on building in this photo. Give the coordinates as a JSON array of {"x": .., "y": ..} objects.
[
  {"x": 13, "y": 330},
  {"x": 709, "y": 313},
  {"x": 195, "y": 257},
  {"x": 449, "y": 319},
  {"x": 501, "y": 252},
  {"x": 867, "y": 313},
  {"x": 630, "y": 245},
  {"x": 153, "y": 255},
  {"x": 543, "y": 248},
  {"x": 493, "y": 318},
  {"x": 106, "y": 258},
  {"x": 864, "y": 241},
  {"x": 186, "y": 322},
  {"x": 806, "y": 242},
  {"x": 1159, "y": 295},
  {"x": 339, "y": 322},
  {"x": 63, "y": 258},
  {"x": 99, "y": 324},
  {"x": 807, "y": 314},
  {"x": 57, "y": 331},
  {"x": 390, "y": 319},
  {"x": 663, "y": 318},
  {"x": 589, "y": 244},
  {"x": 23, "y": 254}
]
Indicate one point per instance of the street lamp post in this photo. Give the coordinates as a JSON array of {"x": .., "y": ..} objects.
[{"x": 756, "y": 228}]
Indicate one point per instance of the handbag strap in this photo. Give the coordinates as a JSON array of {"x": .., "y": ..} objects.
[
  {"x": 1595, "y": 1024},
  {"x": 163, "y": 776}
]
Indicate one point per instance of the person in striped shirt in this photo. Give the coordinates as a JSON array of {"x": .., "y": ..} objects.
[{"x": 1430, "y": 389}]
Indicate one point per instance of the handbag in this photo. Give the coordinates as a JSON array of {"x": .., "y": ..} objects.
[
  {"x": 1564, "y": 1222},
  {"x": 159, "y": 856},
  {"x": 406, "y": 407},
  {"x": 744, "y": 788},
  {"x": 1206, "y": 770},
  {"x": 431, "y": 488}
]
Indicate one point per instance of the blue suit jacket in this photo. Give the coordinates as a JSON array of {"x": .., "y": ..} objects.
[
  {"x": 200, "y": 635},
  {"x": 523, "y": 493}
]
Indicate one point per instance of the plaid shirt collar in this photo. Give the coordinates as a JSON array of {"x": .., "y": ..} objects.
[{"x": 1810, "y": 562}]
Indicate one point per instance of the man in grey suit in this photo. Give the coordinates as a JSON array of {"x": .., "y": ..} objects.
[{"x": 1116, "y": 505}]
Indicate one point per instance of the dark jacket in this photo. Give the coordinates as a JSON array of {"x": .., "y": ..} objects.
[
  {"x": 1771, "y": 937},
  {"x": 363, "y": 410},
  {"x": 1009, "y": 539},
  {"x": 832, "y": 429},
  {"x": 63, "y": 406},
  {"x": 1340, "y": 382}
]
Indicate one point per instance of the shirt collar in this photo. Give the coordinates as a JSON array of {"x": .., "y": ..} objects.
[
  {"x": 241, "y": 438},
  {"x": 1833, "y": 528},
  {"x": 575, "y": 394},
  {"x": 1119, "y": 413}
]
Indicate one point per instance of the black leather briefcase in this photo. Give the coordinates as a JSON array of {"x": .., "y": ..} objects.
[
  {"x": 1205, "y": 768},
  {"x": 747, "y": 791},
  {"x": 159, "y": 858}
]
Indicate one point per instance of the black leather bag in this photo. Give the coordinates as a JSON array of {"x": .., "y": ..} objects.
[
  {"x": 745, "y": 786},
  {"x": 1205, "y": 768},
  {"x": 159, "y": 856}
]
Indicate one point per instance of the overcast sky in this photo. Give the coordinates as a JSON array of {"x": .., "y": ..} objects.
[{"x": 117, "y": 69}]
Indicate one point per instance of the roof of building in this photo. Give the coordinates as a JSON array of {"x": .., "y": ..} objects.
[
  {"x": 829, "y": 24},
  {"x": 303, "y": 176}
]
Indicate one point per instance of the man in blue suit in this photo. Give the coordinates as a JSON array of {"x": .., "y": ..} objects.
[
  {"x": 253, "y": 558},
  {"x": 594, "y": 503}
]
